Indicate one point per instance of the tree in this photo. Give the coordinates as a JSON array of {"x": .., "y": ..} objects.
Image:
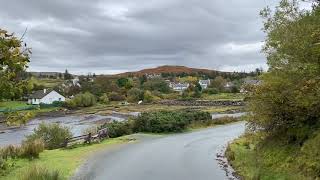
[
  {"x": 67, "y": 75},
  {"x": 287, "y": 103},
  {"x": 157, "y": 85},
  {"x": 14, "y": 59},
  {"x": 135, "y": 95},
  {"x": 218, "y": 83}
]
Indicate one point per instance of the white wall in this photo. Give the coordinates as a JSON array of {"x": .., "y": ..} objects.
[{"x": 51, "y": 97}]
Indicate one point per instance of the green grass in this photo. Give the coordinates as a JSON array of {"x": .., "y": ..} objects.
[
  {"x": 223, "y": 96},
  {"x": 48, "y": 83},
  {"x": 63, "y": 160},
  {"x": 271, "y": 161},
  {"x": 13, "y": 104}
]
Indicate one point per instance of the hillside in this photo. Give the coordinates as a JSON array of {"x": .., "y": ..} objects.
[{"x": 171, "y": 69}]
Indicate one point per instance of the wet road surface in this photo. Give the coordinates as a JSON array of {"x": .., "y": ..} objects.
[{"x": 188, "y": 156}]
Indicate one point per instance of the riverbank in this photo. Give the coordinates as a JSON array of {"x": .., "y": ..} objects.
[
  {"x": 256, "y": 158},
  {"x": 65, "y": 161}
]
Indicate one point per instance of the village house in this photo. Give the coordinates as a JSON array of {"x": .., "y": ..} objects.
[
  {"x": 45, "y": 97},
  {"x": 204, "y": 83},
  {"x": 179, "y": 86}
]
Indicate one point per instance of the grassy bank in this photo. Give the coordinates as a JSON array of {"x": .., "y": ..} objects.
[
  {"x": 270, "y": 159},
  {"x": 63, "y": 160}
]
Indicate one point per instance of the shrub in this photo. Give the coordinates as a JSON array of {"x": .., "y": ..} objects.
[
  {"x": 157, "y": 85},
  {"x": 10, "y": 151},
  {"x": 84, "y": 100},
  {"x": 53, "y": 135},
  {"x": 310, "y": 159},
  {"x": 117, "y": 129},
  {"x": 114, "y": 96},
  {"x": 163, "y": 121},
  {"x": 104, "y": 99},
  {"x": 32, "y": 149},
  {"x": 19, "y": 118},
  {"x": 135, "y": 95},
  {"x": 148, "y": 97},
  {"x": 40, "y": 173},
  {"x": 211, "y": 91}
]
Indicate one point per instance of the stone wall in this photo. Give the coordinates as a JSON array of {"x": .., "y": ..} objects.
[{"x": 200, "y": 103}]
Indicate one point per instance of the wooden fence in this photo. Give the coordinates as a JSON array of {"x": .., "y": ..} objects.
[{"x": 87, "y": 138}]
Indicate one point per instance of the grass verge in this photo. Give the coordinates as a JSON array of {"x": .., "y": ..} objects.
[
  {"x": 65, "y": 161},
  {"x": 270, "y": 160}
]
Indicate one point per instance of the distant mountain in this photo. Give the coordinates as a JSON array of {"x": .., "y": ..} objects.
[{"x": 171, "y": 69}]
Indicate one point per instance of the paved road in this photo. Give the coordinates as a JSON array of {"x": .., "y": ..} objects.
[{"x": 189, "y": 156}]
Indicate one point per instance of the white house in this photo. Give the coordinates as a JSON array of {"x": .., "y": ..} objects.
[
  {"x": 179, "y": 86},
  {"x": 204, "y": 83},
  {"x": 45, "y": 97}
]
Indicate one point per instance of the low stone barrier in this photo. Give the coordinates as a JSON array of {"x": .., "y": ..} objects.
[{"x": 200, "y": 103}]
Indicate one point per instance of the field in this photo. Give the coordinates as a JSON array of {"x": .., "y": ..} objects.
[
  {"x": 223, "y": 96},
  {"x": 13, "y": 104},
  {"x": 63, "y": 160},
  {"x": 48, "y": 83}
]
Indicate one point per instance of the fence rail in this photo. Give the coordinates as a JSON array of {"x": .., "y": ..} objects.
[{"x": 87, "y": 138}]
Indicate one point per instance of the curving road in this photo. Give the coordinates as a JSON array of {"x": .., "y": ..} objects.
[{"x": 187, "y": 156}]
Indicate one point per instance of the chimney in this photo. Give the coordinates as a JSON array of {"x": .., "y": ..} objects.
[{"x": 44, "y": 91}]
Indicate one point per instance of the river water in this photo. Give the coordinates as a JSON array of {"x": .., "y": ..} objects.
[{"x": 77, "y": 124}]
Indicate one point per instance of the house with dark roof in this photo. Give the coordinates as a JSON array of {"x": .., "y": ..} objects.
[{"x": 45, "y": 97}]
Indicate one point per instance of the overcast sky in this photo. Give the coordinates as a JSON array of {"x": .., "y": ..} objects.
[{"x": 111, "y": 36}]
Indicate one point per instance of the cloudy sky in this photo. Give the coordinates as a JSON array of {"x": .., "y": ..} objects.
[{"x": 111, "y": 36}]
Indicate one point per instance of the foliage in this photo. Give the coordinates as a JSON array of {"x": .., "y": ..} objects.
[
  {"x": 32, "y": 149},
  {"x": 157, "y": 85},
  {"x": 104, "y": 99},
  {"x": 218, "y": 83},
  {"x": 211, "y": 91},
  {"x": 53, "y": 135},
  {"x": 288, "y": 101},
  {"x": 117, "y": 129},
  {"x": 67, "y": 75},
  {"x": 125, "y": 82},
  {"x": 40, "y": 173},
  {"x": 256, "y": 157},
  {"x": 19, "y": 118},
  {"x": 83, "y": 100},
  {"x": 14, "y": 59},
  {"x": 168, "y": 121},
  {"x": 148, "y": 97},
  {"x": 114, "y": 96},
  {"x": 135, "y": 95}
]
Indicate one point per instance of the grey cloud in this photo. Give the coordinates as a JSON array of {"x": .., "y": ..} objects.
[{"x": 121, "y": 35}]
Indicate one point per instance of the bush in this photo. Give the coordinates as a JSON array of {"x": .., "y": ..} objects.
[
  {"x": 117, "y": 129},
  {"x": 32, "y": 149},
  {"x": 211, "y": 91},
  {"x": 40, "y": 173},
  {"x": 157, "y": 85},
  {"x": 148, "y": 97},
  {"x": 168, "y": 121},
  {"x": 10, "y": 151},
  {"x": 104, "y": 99},
  {"x": 53, "y": 135},
  {"x": 114, "y": 96},
  {"x": 84, "y": 100},
  {"x": 135, "y": 95}
]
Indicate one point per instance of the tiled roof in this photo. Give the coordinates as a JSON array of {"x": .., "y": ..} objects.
[{"x": 39, "y": 94}]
